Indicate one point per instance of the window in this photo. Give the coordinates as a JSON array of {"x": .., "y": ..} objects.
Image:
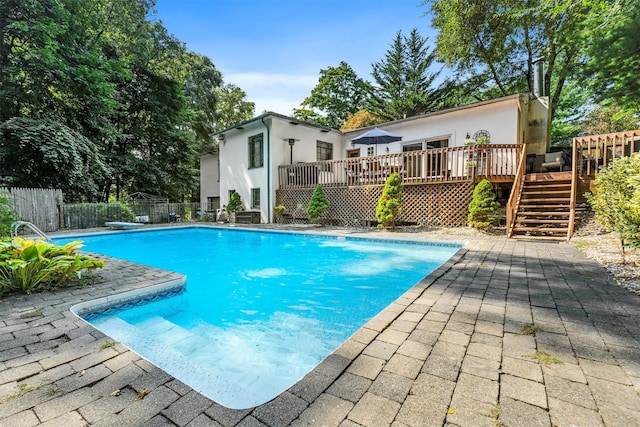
[
  {"x": 324, "y": 151},
  {"x": 256, "y": 159},
  {"x": 255, "y": 198},
  {"x": 370, "y": 150},
  {"x": 412, "y": 147},
  {"x": 213, "y": 204},
  {"x": 437, "y": 143}
]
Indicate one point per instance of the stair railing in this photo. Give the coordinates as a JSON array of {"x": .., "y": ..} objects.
[
  {"x": 516, "y": 191},
  {"x": 575, "y": 163},
  {"x": 16, "y": 226}
]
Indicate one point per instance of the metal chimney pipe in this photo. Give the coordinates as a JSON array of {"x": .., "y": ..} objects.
[{"x": 538, "y": 77}]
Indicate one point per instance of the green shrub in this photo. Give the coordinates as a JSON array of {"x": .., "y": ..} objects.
[
  {"x": 318, "y": 205},
  {"x": 616, "y": 199},
  {"x": 389, "y": 202},
  {"x": 30, "y": 265},
  {"x": 7, "y": 216},
  {"x": 279, "y": 212},
  {"x": 483, "y": 209},
  {"x": 235, "y": 204}
]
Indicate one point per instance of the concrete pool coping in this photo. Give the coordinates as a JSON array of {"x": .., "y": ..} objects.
[{"x": 448, "y": 350}]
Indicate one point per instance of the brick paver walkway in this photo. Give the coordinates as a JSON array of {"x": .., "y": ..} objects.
[{"x": 458, "y": 349}]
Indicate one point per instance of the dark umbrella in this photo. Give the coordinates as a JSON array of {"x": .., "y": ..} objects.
[{"x": 376, "y": 136}]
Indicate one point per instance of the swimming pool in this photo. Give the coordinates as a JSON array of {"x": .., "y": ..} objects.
[{"x": 260, "y": 309}]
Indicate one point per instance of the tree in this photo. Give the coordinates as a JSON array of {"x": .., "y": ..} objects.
[
  {"x": 232, "y": 107},
  {"x": 100, "y": 74},
  {"x": 339, "y": 92},
  {"x": 614, "y": 53},
  {"x": 44, "y": 153},
  {"x": 498, "y": 41},
  {"x": 317, "y": 205},
  {"x": 390, "y": 201},
  {"x": 483, "y": 207},
  {"x": 361, "y": 119},
  {"x": 202, "y": 88},
  {"x": 616, "y": 199},
  {"x": 609, "y": 119},
  {"x": 235, "y": 204},
  {"x": 404, "y": 82}
]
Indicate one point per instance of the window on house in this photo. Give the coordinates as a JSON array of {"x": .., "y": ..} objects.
[
  {"x": 324, "y": 151},
  {"x": 256, "y": 158},
  {"x": 213, "y": 204},
  {"x": 255, "y": 198},
  {"x": 437, "y": 143},
  {"x": 370, "y": 150}
]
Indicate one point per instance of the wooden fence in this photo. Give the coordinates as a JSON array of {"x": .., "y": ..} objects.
[{"x": 41, "y": 206}]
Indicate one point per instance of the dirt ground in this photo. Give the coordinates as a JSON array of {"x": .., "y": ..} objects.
[{"x": 604, "y": 247}]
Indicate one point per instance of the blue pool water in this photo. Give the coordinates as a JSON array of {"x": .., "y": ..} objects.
[{"x": 260, "y": 309}]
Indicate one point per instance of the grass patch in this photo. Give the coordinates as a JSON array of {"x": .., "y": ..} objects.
[
  {"x": 108, "y": 344},
  {"x": 34, "y": 313},
  {"x": 529, "y": 329},
  {"x": 495, "y": 413},
  {"x": 545, "y": 358},
  {"x": 22, "y": 390}
]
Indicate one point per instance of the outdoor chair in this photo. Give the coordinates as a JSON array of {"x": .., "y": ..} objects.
[{"x": 552, "y": 161}]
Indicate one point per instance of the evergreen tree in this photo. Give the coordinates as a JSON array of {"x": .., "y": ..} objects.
[
  {"x": 404, "y": 82},
  {"x": 390, "y": 201},
  {"x": 483, "y": 209},
  {"x": 317, "y": 205}
]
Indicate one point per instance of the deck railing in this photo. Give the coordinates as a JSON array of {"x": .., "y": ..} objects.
[
  {"x": 516, "y": 191},
  {"x": 496, "y": 162},
  {"x": 596, "y": 151}
]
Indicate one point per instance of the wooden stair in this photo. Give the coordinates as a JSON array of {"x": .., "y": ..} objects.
[{"x": 544, "y": 209}]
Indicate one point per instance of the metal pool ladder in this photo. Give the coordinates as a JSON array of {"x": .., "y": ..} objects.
[{"x": 16, "y": 226}]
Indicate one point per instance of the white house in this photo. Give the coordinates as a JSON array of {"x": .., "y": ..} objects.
[{"x": 250, "y": 152}]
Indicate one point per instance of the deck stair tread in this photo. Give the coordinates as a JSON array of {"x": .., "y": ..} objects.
[
  {"x": 542, "y": 185},
  {"x": 537, "y": 221},
  {"x": 554, "y": 238}
]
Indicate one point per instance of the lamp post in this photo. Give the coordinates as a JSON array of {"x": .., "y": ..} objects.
[{"x": 292, "y": 142}]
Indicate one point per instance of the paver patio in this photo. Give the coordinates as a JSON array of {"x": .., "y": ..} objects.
[{"x": 456, "y": 349}]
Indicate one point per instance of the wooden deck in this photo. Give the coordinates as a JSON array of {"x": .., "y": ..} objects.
[
  {"x": 496, "y": 162},
  {"x": 440, "y": 181}
]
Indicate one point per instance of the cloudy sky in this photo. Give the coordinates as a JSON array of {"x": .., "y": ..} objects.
[{"x": 274, "y": 49}]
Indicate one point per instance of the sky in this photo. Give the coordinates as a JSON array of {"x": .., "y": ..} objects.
[{"x": 274, "y": 49}]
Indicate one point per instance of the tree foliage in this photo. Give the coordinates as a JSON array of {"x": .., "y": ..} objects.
[
  {"x": 44, "y": 153},
  {"x": 338, "y": 94},
  {"x": 497, "y": 42},
  {"x": 235, "y": 203},
  {"x": 318, "y": 205},
  {"x": 7, "y": 216},
  {"x": 614, "y": 55},
  {"x": 616, "y": 198},
  {"x": 404, "y": 79},
  {"x": 232, "y": 107},
  {"x": 483, "y": 209},
  {"x": 108, "y": 87},
  {"x": 389, "y": 203},
  {"x": 361, "y": 119}
]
